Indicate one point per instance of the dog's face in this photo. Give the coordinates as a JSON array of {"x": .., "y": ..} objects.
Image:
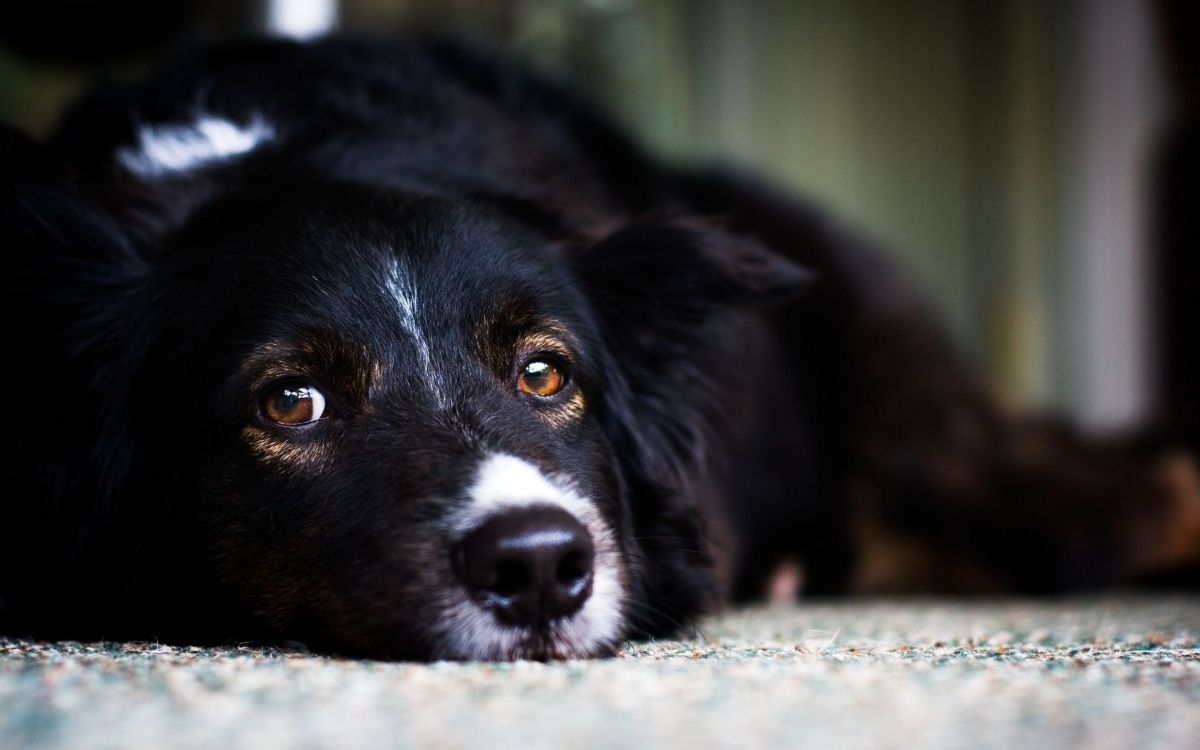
[
  {"x": 398, "y": 403},
  {"x": 388, "y": 422}
]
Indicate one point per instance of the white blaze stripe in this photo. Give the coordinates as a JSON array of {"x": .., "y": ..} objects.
[
  {"x": 506, "y": 482},
  {"x": 163, "y": 149},
  {"x": 400, "y": 287}
]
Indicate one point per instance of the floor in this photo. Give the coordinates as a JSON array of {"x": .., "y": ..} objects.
[{"x": 1117, "y": 671}]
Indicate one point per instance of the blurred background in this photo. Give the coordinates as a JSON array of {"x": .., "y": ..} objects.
[{"x": 1033, "y": 162}]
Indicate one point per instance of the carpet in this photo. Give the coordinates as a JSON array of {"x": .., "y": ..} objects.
[{"x": 1116, "y": 671}]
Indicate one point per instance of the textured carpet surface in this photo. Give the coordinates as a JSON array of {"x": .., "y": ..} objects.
[{"x": 1110, "y": 672}]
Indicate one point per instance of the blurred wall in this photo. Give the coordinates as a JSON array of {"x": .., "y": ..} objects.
[{"x": 999, "y": 148}]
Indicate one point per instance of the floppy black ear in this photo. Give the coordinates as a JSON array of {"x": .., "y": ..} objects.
[
  {"x": 682, "y": 263},
  {"x": 672, "y": 298},
  {"x": 68, "y": 279},
  {"x": 46, "y": 221},
  {"x": 668, "y": 293}
]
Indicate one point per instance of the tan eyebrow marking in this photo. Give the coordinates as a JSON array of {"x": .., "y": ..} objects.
[
  {"x": 543, "y": 342},
  {"x": 349, "y": 363}
]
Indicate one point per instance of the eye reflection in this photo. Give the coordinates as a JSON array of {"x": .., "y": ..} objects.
[
  {"x": 541, "y": 377},
  {"x": 294, "y": 404}
]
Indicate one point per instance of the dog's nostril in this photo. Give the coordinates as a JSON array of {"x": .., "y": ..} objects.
[
  {"x": 530, "y": 566},
  {"x": 512, "y": 576},
  {"x": 573, "y": 567}
]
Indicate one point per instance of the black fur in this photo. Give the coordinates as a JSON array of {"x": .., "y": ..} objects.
[{"x": 145, "y": 316}]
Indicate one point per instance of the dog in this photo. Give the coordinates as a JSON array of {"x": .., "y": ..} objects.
[{"x": 399, "y": 351}]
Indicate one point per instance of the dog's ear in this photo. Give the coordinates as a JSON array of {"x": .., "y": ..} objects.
[
  {"x": 668, "y": 293},
  {"x": 69, "y": 281},
  {"x": 683, "y": 265},
  {"x": 69, "y": 268},
  {"x": 671, "y": 297},
  {"x": 51, "y": 232}
]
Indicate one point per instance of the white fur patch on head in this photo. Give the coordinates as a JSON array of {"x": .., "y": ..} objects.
[
  {"x": 399, "y": 286},
  {"x": 301, "y": 19},
  {"x": 509, "y": 483},
  {"x": 167, "y": 149}
]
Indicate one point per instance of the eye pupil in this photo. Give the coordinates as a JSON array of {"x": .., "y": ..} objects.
[
  {"x": 294, "y": 404},
  {"x": 541, "y": 378}
]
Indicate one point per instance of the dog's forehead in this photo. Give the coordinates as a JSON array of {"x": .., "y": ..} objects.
[
  {"x": 437, "y": 266},
  {"x": 490, "y": 292},
  {"x": 330, "y": 237},
  {"x": 373, "y": 268},
  {"x": 451, "y": 253}
]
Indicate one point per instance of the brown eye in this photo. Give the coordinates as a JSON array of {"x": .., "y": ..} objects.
[
  {"x": 541, "y": 377},
  {"x": 294, "y": 404}
]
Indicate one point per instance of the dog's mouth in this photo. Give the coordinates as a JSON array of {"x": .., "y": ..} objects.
[{"x": 552, "y": 642}]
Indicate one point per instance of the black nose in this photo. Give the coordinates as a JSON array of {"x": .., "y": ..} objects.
[{"x": 529, "y": 566}]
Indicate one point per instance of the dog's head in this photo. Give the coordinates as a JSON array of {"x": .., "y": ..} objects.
[{"x": 385, "y": 421}]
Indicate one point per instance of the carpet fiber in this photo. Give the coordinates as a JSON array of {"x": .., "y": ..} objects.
[{"x": 1110, "y": 672}]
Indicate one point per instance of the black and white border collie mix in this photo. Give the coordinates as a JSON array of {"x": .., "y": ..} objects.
[{"x": 401, "y": 352}]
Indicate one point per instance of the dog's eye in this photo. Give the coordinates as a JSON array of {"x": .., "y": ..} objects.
[
  {"x": 541, "y": 377},
  {"x": 294, "y": 404}
]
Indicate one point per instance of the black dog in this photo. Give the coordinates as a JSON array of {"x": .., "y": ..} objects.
[{"x": 404, "y": 353}]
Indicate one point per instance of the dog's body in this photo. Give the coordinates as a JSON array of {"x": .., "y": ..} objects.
[{"x": 308, "y": 339}]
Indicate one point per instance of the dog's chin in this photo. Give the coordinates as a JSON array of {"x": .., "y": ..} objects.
[
  {"x": 473, "y": 633},
  {"x": 522, "y": 643}
]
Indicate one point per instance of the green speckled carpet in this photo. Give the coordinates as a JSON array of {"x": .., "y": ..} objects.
[{"x": 1110, "y": 672}]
